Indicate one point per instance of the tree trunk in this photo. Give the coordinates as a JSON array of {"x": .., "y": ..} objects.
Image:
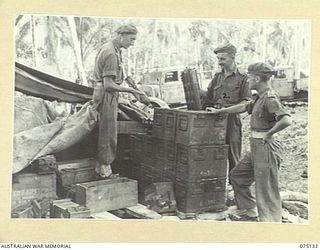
[
  {"x": 18, "y": 19},
  {"x": 196, "y": 53},
  {"x": 77, "y": 49},
  {"x": 81, "y": 37},
  {"x": 100, "y": 36},
  {"x": 134, "y": 64},
  {"x": 129, "y": 72},
  {"x": 264, "y": 42},
  {"x": 296, "y": 54},
  {"x": 296, "y": 208},
  {"x": 34, "y": 49},
  {"x": 154, "y": 42},
  {"x": 146, "y": 60}
]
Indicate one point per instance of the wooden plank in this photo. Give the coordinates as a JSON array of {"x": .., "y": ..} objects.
[
  {"x": 142, "y": 212},
  {"x": 122, "y": 214},
  {"x": 211, "y": 216},
  {"x": 186, "y": 216},
  {"x": 166, "y": 217},
  {"x": 22, "y": 211},
  {"x": 105, "y": 215},
  {"x": 76, "y": 163}
]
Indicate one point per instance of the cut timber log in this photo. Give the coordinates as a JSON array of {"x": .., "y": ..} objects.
[
  {"x": 289, "y": 218},
  {"x": 296, "y": 208},
  {"x": 294, "y": 196}
]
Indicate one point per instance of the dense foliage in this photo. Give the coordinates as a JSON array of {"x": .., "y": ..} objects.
[{"x": 46, "y": 43}]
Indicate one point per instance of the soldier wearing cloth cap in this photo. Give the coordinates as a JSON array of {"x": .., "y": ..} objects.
[
  {"x": 261, "y": 165},
  {"x": 108, "y": 76},
  {"x": 229, "y": 87}
]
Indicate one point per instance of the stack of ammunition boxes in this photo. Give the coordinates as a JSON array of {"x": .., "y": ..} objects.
[
  {"x": 187, "y": 148},
  {"x": 154, "y": 156}
]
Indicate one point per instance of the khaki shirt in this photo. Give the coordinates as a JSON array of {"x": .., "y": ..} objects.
[
  {"x": 265, "y": 111},
  {"x": 108, "y": 63},
  {"x": 229, "y": 90}
]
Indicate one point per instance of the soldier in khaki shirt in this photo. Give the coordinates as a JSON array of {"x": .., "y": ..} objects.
[
  {"x": 228, "y": 88},
  {"x": 261, "y": 165},
  {"x": 108, "y": 76}
]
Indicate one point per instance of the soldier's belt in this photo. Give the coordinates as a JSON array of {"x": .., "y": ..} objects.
[{"x": 258, "y": 134}]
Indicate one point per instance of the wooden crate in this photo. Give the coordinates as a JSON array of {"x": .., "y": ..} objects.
[
  {"x": 32, "y": 186},
  {"x": 159, "y": 197},
  {"x": 65, "y": 208},
  {"x": 72, "y": 172},
  {"x": 109, "y": 194}
]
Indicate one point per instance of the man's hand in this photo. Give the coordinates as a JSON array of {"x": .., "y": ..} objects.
[
  {"x": 267, "y": 138},
  {"x": 213, "y": 110},
  {"x": 141, "y": 96}
]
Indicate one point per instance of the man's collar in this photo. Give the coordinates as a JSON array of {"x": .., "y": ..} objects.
[
  {"x": 264, "y": 92},
  {"x": 116, "y": 45},
  {"x": 235, "y": 70}
]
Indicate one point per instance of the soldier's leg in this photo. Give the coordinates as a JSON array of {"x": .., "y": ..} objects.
[
  {"x": 233, "y": 139},
  {"x": 234, "y": 154},
  {"x": 241, "y": 178},
  {"x": 266, "y": 163},
  {"x": 107, "y": 142}
]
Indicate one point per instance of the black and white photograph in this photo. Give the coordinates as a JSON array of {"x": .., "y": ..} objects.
[{"x": 173, "y": 119}]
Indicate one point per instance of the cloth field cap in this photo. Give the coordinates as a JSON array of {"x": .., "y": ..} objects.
[
  {"x": 261, "y": 69},
  {"x": 127, "y": 29},
  {"x": 227, "y": 48}
]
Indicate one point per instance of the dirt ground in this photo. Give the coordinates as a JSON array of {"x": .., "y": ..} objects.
[{"x": 295, "y": 142}]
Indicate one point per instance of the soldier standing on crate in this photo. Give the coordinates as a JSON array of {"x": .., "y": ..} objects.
[
  {"x": 261, "y": 165},
  {"x": 108, "y": 76},
  {"x": 229, "y": 87}
]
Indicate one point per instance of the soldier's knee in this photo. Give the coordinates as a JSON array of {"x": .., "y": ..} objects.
[{"x": 232, "y": 176}]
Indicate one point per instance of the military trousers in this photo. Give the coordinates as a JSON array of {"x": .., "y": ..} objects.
[
  {"x": 260, "y": 166},
  {"x": 234, "y": 139},
  {"x": 107, "y": 103}
]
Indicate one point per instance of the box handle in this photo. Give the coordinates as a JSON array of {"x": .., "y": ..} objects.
[
  {"x": 158, "y": 119},
  {"x": 183, "y": 156},
  {"x": 220, "y": 154},
  {"x": 183, "y": 123},
  {"x": 200, "y": 121},
  {"x": 170, "y": 121},
  {"x": 201, "y": 154},
  {"x": 213, "y": 184}
]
